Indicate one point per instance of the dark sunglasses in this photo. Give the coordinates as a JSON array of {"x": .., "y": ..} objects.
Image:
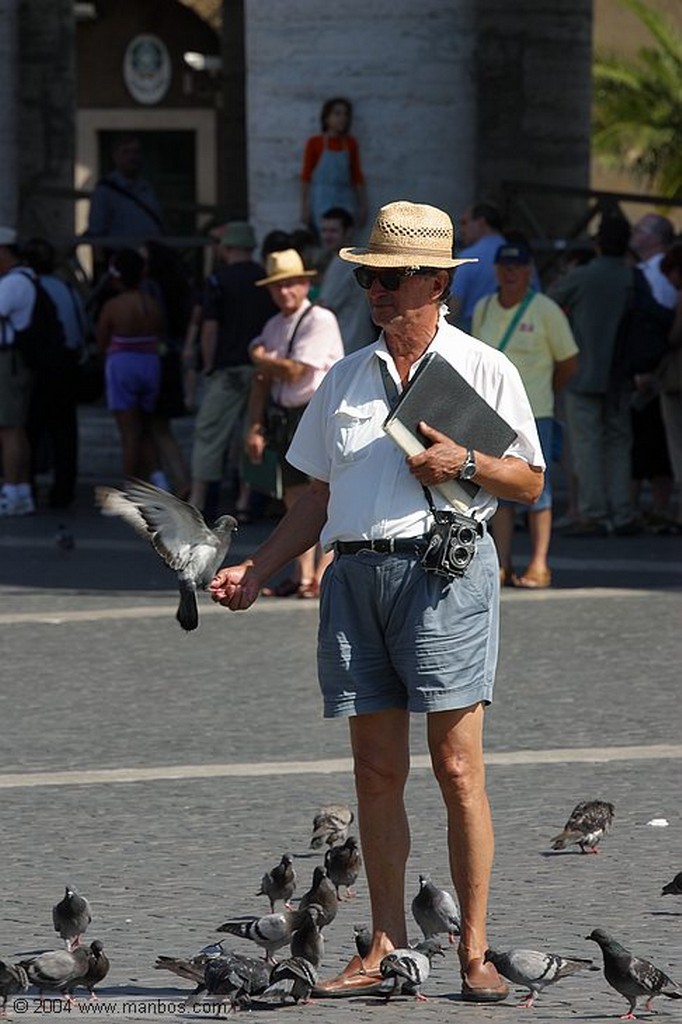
[{"x": 388, "y": 279}]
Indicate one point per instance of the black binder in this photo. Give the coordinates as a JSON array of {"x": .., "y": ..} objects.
[{"x": 440, "y": 396}]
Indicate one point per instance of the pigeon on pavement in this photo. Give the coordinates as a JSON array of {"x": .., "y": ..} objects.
[
  {"x": 322, "y": 892},
  {"x": 330, "y": 825},
  {"x": 533, "y": 969},
  {"x": 307, "y": 940},
  {"x": 13, "y": 978},
  {"x": 71, "y": 916},
  {"x": 409, "y": 968},
  {"x": 300, "y": 973},
  {"x": 191, "y": 968},
  {"x": 673, "y": 888},
  {"x": 588, "y": 824},
  {"x": 58, "y": 970},
  {"x": 64, "y": 539},
  {"x": 363, "y": 939},
  {"x": 178, "y": 533},
  {"x": 236, "y": 978},
  {"x": 343, "y": 865},
  {"x": 271, "y": 932},
  {"x": 632, "y": 976},
  {"x": 98, "y": 968},
  {"x": 435, "y": 910},
  {"x": 279, "y": 883}
]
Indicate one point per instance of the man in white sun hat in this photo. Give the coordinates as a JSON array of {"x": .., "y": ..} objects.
[{"x": 396, "y": 637}]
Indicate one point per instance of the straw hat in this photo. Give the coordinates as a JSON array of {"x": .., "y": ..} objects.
[
  {"x": 280, "y": 266},
  {"x": 408, "y": 235}
]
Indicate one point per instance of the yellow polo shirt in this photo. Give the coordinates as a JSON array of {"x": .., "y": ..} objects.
[{"x": 541, "y": 338}]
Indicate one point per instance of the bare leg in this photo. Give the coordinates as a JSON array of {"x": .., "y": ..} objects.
[
  {"x": 16, "y": 455},
  {"x": 540, "y": 529},
  {"x": 380, "y": 744},
  {"x": 456, "y": 746},
  {"x": 306, "y": 561},
  {"x": 171, "y": 454}
]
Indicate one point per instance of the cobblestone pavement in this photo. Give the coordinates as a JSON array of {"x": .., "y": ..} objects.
[{"x": 163, "y": 773}]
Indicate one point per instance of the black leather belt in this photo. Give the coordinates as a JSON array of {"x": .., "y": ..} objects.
[{"x": 383, "y": 546}]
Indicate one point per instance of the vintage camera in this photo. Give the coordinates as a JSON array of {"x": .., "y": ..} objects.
[{"x": 451, "y": 544}]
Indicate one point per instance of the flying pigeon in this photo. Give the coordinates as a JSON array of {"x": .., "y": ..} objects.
[
  {"x": 588, "y": 824},
  {"x": 322, "y": 892},
  {"x": 363, "y": 939},
  {"x": 300, "y": 972},
  {"x": 435, "y": 910},
  {"x": 307, "y": 940},
  {"x": 279, "y": 883},
  {"x": 236, "y": 978},
  {"x": 71, "y": 916},
  {"x": 13, "y": 978},
  {"x": 343, "y": 865},
  {"x": 673, "y": 888},
  {"x": 533, "y": 969},
  {"x": 409, "y": 968},
  {"x": 330, "y": 825},
  {"x": 632, "y": 976},
  {"x": 178, "y": 533},
  {"x": 191, "y": 968},
  {"x": 58, "y": 970},
  {"x": 272, "y": 931}
]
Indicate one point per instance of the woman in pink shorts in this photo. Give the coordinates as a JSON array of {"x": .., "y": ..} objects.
[{"x": 128, "y": 331}]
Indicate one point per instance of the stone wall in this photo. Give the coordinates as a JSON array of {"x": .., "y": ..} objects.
[{"x": 407, "y": 68}]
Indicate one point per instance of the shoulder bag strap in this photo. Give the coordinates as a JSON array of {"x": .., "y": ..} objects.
[
  {"x": 134, "y": 199},
  {"x": 514, "y": 323}
]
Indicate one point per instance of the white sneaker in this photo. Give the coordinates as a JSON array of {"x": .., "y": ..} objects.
[{"x": 23, "y": 506}]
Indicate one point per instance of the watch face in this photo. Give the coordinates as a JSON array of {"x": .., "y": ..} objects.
[{"x": 468, "y": 469}]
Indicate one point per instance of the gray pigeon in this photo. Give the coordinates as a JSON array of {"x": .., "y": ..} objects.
[
  {"x": 673, "y": 888},
  {"x": 409, "y": 968},
  {"x": 98, "y": 968},
  {"x": 588, "y": 824},
  {"x": 533, "y": 969},
  {"x": 271, "y": 932},
  {"x": 279, "y": 883},
  {"x": 13, "y": 978},
  {"x": 631, "y": 976},
  {"x": 322, "y": 892},
  {"x": 435, "y": 910},
  {"x": 343, "y": 865},
  {"x": 307, "y": 940},
  {"x": 58, "y": 970},
  {"x": 301, "y": 975},
  {"x": 64, "y": 539},
  {"x": 191, "y": 968},
  {"x": 363, "y": 940},
  {"x": 330, "y": 825},
  {"x": 178, "y": 533},
  {"x": 71, "y": 916},
  {"x": 236, "y": 978}
]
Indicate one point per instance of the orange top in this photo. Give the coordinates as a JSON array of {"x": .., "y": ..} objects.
[{"x": 314, "y": 148}]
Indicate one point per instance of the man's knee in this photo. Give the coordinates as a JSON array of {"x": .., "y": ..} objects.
[
  {"x": 373, "y": 778},
  {"x": 460, "y": 775}
]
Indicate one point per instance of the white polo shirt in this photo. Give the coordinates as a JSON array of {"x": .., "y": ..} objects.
[
  {"x": 17, "y": 296},
  {"x": 341, "y": 442}
]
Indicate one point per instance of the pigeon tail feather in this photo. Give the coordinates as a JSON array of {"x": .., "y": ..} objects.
[{"x": 187, "y": 613}]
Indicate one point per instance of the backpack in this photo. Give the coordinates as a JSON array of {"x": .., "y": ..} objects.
[
  {"x": 642, "y": 336},
  {"x": 42, "y": 343}
]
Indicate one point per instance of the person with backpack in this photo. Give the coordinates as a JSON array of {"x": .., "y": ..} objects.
[
  {"x": 53, "y": 411},
  {"x": 17, "y": 300}
]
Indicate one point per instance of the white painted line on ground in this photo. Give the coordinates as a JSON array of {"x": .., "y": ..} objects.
[{"x": 329, "y": 766}]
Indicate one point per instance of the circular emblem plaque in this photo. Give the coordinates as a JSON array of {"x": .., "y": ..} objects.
[{"x": 147, "y": 69}]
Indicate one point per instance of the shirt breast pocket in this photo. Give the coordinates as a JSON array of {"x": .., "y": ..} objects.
[{"x": 355, "y": 429}]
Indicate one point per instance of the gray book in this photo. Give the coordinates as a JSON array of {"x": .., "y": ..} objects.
[{"x": 440, "y": 396}]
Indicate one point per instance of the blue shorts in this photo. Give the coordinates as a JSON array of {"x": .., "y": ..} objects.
[
  {"x": 546, "y": 428},
  {"x": 392, "y": 635},
  {"x": 133, "y": 380}
]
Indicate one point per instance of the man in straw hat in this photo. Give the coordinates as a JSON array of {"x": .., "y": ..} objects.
[{"x": 394, "y": 637}]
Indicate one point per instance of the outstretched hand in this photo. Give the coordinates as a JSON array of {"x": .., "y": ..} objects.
[
  {"x": 236, "y": 587},
  {"x": 441, "y": 461}
]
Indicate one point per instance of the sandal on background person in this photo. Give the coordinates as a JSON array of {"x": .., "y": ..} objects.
[{"x": 539, "y": 579}]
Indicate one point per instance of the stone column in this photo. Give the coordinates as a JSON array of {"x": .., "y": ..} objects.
[
  {"x": 8, "y": 111},
  {"x": 408, "y": 70}
]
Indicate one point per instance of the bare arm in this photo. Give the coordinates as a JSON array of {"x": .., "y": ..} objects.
[
  {"x": 505, "y": 478},
  {"x": 103, "y": 330},
  {"x": 277, "y": 367},
  {"x": 209, "y": 341},
  {"x": 563, "y": 372},
  {"x": 255, "y": 417},
  {"x": 237, "y": 587}
]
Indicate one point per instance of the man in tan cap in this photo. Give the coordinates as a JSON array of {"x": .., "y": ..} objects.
[{"x": 396, "y": 637}]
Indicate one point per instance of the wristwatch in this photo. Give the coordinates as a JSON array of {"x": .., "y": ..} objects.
[{"x": 468, "y": 468}]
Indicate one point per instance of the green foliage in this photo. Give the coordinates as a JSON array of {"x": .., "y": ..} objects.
[{"x": 637, "y": 120}]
